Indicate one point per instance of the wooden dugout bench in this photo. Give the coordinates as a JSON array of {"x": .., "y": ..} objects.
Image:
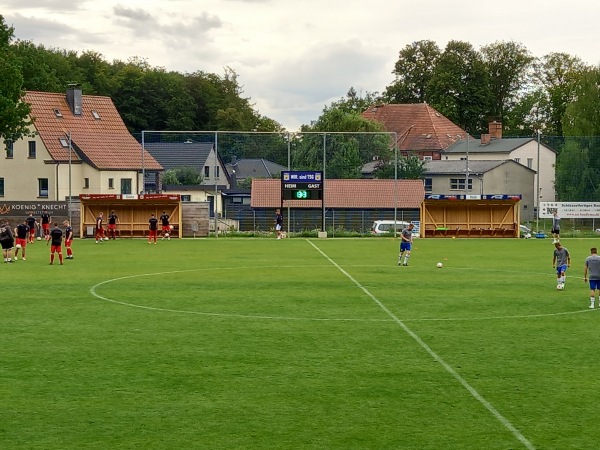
[
  {"x": 133, "y": 212},
  {"x": 488, "y": 216}
]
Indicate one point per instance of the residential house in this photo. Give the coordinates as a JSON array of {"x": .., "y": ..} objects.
[
  {"x": 525, "y": 151},
  {"x": 200, "y": 156},
  {"x": 485, "y": 177},
  {"x": 81, "y": 146},
  {"x": 419, "y": 129}
]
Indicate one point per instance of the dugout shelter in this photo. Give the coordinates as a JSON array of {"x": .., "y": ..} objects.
[
  {"x": 472, "y": 216},
  {"x": 132, "y": 210}
]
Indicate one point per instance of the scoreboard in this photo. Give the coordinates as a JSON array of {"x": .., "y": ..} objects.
[{"x": 301, "y": 185}]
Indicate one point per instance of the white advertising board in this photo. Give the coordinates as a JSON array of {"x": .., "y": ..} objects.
[{"x": 570, "y": 210}]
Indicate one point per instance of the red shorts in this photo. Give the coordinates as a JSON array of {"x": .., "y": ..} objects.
[
  {"x": 112, "y": 226},
  {"x": 32, "y": 232},
  {"x": 152, "y": 233},
  {"x": 45, "y": 226},
  {"x": 55, "y": 248},
  {"x": 166, "y": 228},
  {"x": 68, "y": 242},
  {"x": 21, "y": 242}
]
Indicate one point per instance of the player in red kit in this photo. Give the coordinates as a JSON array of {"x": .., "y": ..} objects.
[
  {"x": 31, "y": 223},
  {"x": 68, "y": 238},
  {"x": 153, "y": 226},
  {"x": 113, "y": 219},
  {"x": 46, "y": 218},
  {"x": 99, "y": 228},
  {"x": 166, "y": 227},
  {"x": 56, "y": 236},
  {"x": 22, "y": 234}
]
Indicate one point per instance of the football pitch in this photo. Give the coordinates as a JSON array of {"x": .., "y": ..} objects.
[{"x": 242, "y": 343}]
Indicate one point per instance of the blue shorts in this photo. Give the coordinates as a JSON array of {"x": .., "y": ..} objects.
[
  {"x": 561, "y": 269},
  {"x": 405, "y": 246},
  {"x": 594, "y": 284}
]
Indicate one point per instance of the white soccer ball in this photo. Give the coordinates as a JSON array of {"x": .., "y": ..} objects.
[
  {"x": 166, "y": 234},
  {"x": 440, "y": 265},
  {"x": 560, "y": 287},
  {"x": 39, "y": 238},
  {"x": 106, "y": 238}
]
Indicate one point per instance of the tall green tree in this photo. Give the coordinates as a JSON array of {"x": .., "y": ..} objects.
[
  {"x": 413, "y": 72},
  {"x": 409, "y": 167},
  {"x": 14, "y": 112},
  {"x": 508, "y": 67},
  {"x": 558, "y": 74},
  {"x": 578, "y": 163},
  {"x": 459, "y": 87}
]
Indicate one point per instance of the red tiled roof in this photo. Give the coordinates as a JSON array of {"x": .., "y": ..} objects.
[
  {"x": 360, "y": 193},
  {"x": 419, "y": 127},
  {"x": 105, "y": 143}
]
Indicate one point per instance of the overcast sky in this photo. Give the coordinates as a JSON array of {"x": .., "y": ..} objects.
[{"x": 295, "y": 57}]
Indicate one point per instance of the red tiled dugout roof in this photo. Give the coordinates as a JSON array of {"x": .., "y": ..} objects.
[
  {"x": 361, "y": 193},
  {"x": 419, "y": 127},
  {"x": 106, "y": 143}
]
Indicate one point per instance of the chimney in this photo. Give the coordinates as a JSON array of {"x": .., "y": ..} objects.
[
  {"x": 485, "y": 139},
  {"x": 74, "y": 98},
  {"x": 495, "y": 129}
]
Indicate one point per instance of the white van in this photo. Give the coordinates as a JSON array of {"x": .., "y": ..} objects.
[{"x": 387, "y": 226}]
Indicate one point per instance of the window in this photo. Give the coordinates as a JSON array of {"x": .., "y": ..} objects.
[
  {"x": 86, "y": 183},
  {"x": 428, "y": 184},
  {"x": 206, "y": 171},
  {"x": 125, "y": 185},
  {"x": 111, "y": 183},
  {"x": 186, "y": 198},
  {"x": 217, "y": 172},
  {"x": 43, "y": 187},
  {"x": 64, "y": 142},
  {"x": 31, "y": 153},
  {"x": 95, "y": 114},
  {"x": 530, "y": 162},
  {"x": 1, "y": 187},
  {"x": 459, "y": 184},
  {"x": 57, "y": 112},
  {"x": 518, "y": 160},
  {"x": 427, "y": 158},
  {"x": 9, "y": 149}
]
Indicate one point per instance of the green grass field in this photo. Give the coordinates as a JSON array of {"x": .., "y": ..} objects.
[{"x": 234, "y": 343}]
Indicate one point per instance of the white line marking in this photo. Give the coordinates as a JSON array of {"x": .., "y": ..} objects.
[
  {"x": 503, "y": 420},
  {"x": 314, "y": 319}
]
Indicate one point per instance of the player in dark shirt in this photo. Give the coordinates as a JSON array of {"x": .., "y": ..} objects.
[
  {"x": 68, "y": 238},
  {"x": 31, "y": 223},
  {"x": 112, "y": 225},
  {"x": 166, "y": 228},
  {"x": 99, "y": 227},
  {"x": 153, "y": 226},
  {"x": 279, "y": 223},
  {"x": 46, "y": 218},
  {"x": 21, "y": 233},
  {"x": 56, "y": 236}
]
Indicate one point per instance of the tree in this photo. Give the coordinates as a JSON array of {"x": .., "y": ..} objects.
[
  {"x": 414, "y": 71},
  {"x": 408, "y": 167},
  {"x": 558, "y": 74},
  {"x": 14, "y": 112},
  {"x": 184, "y": 175},
  {"x": 578, "y": 163},
  {"x": 459, "y": 87},
  {"x": 348, "y": 138},
  {"x": 507, "y": 65}
]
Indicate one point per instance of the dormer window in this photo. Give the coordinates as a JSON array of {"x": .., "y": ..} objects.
[
  {"x": 95, "y": 114},
  {"x": 64, "y": 142},
  {"x": 57, "y": 112}
]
